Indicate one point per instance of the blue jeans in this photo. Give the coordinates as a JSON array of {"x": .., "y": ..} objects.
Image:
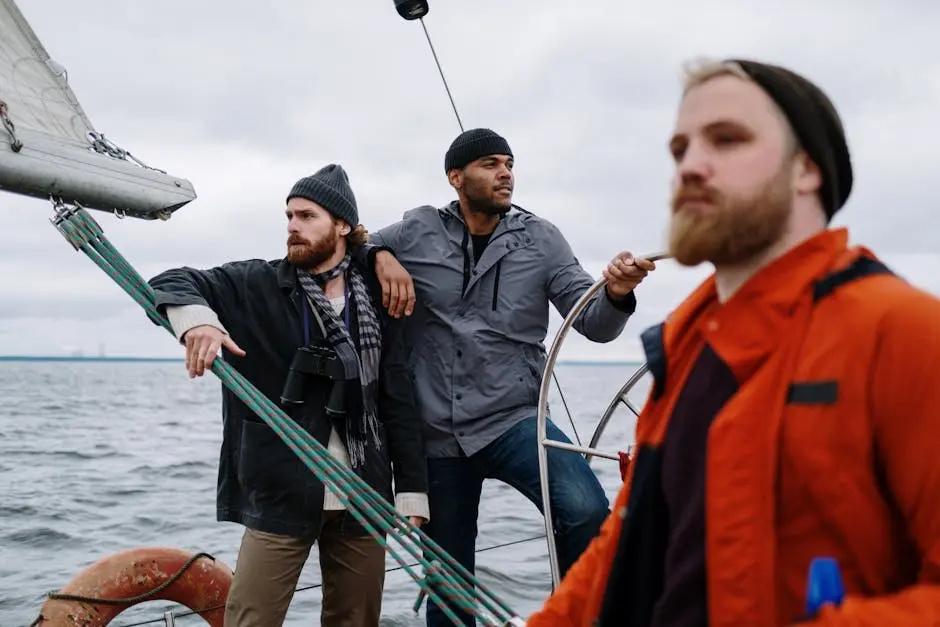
[{"x": 579, "y": 504}]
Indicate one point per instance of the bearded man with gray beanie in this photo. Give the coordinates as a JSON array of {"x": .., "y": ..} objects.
[
  {"x": 486, "y": 272},
  {"x": 310, "y": 332}
]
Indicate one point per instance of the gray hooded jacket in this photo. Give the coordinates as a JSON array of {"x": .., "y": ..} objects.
[{"x": 480, "y": 353}]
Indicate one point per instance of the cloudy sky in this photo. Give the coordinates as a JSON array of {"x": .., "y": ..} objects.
[{"x": 243, "y": 100}]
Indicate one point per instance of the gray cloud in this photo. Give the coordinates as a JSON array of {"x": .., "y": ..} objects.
[{"x": 244, "y": 100}]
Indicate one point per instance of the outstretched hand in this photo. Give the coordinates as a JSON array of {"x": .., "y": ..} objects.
[
  {"x": 398, "y": 290},
  {"x": 202, "y": 347},
  {"x": 625, "y": 272}
]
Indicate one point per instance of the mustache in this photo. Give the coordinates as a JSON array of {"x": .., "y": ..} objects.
[
  {"x": 694, "y": 192},
  {"x": 295, "y": 240}
]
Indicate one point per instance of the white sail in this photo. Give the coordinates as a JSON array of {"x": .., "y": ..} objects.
[
  {"x": 34, "y": 86},
  {"x": 49, "y": 147}
]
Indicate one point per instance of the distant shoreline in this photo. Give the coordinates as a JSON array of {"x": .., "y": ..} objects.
[
  {"x": 117, "y": 359},
  {"x": 100, "y": 359}
]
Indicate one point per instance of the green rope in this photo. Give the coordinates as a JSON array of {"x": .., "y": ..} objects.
[{"x": 444, "y": 578}]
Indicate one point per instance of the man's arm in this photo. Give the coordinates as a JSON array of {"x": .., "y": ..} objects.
[
  {"x": 398, "y": 291},
  {"x": 387, "y": 238},
  {"x": 193, "y": 301},
  {"x": 604, "y": 318},
  {"x": 403, "y": 424},
  {"x": 191, "y": 297},
  {"x": 905, "y": 402}
]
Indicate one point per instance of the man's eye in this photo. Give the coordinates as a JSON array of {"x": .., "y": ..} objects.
[{"x": 725, "y": 140}]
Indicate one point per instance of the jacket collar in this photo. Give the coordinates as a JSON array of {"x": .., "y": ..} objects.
[
  {"x": 287, "y": 273},
  {"x": 746, "y": 328}
]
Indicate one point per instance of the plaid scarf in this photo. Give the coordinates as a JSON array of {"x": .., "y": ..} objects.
[{"x": 364, "y": 365}]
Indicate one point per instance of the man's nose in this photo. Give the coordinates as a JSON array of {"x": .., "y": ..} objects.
[{"x": 696, "y": 163}]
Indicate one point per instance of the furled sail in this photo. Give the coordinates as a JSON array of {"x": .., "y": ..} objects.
[{"x": 49, "y": 147}]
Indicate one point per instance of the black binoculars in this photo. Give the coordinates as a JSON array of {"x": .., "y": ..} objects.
[{"x": 321, "y": 362}]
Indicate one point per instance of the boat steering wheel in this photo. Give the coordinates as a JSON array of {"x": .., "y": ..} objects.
[{"x": 589, "y": 451}]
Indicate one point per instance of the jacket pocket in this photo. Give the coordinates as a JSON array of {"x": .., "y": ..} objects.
[
  {"x": 534, "y": 366},
  {"x": 828, "y": 492},
  {"x": 378, "y": 470},
  {"x": 267, "y": 465}
]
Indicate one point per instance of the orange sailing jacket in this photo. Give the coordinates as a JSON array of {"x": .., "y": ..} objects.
[{"x": 831, "y": 447}]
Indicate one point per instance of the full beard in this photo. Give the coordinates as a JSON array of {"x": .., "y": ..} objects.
[
  {"x": 306, "y": 255},
  {"x": 492, "y": 210},
  {"x": 731, "y": 230},
  {"x": 490, "y": 204}
]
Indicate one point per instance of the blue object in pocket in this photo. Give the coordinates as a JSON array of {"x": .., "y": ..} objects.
[{"x": 823, "y": 585}]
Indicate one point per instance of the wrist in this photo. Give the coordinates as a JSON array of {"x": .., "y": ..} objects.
[
  {"x": 615, "y": 295},
  {"x": 376, "y": 257},
  {"x": 625, "y": 303},
  {"x": 375, "y": 253},
  {"x": 413, "y": 504}
]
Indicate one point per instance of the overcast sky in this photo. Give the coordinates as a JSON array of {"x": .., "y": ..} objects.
[{"x": 243, "y": 100}]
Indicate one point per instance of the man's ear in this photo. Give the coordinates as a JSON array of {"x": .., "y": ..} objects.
[
  {"x": 455, "y": 178},
  {"x": 807, "y": 177}
]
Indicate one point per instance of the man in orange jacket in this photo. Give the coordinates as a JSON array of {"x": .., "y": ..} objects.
[{"x": 794, "y": 412}]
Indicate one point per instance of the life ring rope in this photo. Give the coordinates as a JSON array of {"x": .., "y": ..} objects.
[
  {"x": 56, "y": 596},
  {"x": 100, "y": 592}
]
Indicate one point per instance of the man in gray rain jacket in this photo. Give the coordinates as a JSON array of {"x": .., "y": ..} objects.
[{"x": 484, "y": 275}]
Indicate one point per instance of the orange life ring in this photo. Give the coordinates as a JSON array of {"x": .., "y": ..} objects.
[{"x": 114, "y": 583}]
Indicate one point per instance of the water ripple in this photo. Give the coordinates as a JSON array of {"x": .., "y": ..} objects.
[{"x": 42, "y": 537}]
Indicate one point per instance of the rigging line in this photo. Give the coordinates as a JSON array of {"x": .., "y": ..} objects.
[
  {"x": 441, "y": 72},
  {"x": 565, "y": 405}
]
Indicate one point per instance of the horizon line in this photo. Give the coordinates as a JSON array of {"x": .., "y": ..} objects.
[{"x": 153, "y": 359}]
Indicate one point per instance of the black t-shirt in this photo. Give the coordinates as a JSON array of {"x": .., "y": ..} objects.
[
  {"x": 684, "y": 602},
  {"x": 479, "y": 245}
]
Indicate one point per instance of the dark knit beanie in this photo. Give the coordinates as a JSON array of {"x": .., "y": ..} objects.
[
  {"x": 816, "y": 124},
  {"x": 329, "y": 188},
  {"x": 473, "y": 144}
]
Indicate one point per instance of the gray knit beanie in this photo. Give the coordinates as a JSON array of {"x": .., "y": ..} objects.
[{"x": 329, "y": 188}]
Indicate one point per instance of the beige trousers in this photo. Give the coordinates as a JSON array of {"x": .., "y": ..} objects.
[{"x": 352, "y": 567}]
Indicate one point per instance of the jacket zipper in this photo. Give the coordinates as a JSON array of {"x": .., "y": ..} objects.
[
  {"x": 465, "y": 245},
  {"x": 499, "y": 266},
  {"x": 466, "y": 260}
]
